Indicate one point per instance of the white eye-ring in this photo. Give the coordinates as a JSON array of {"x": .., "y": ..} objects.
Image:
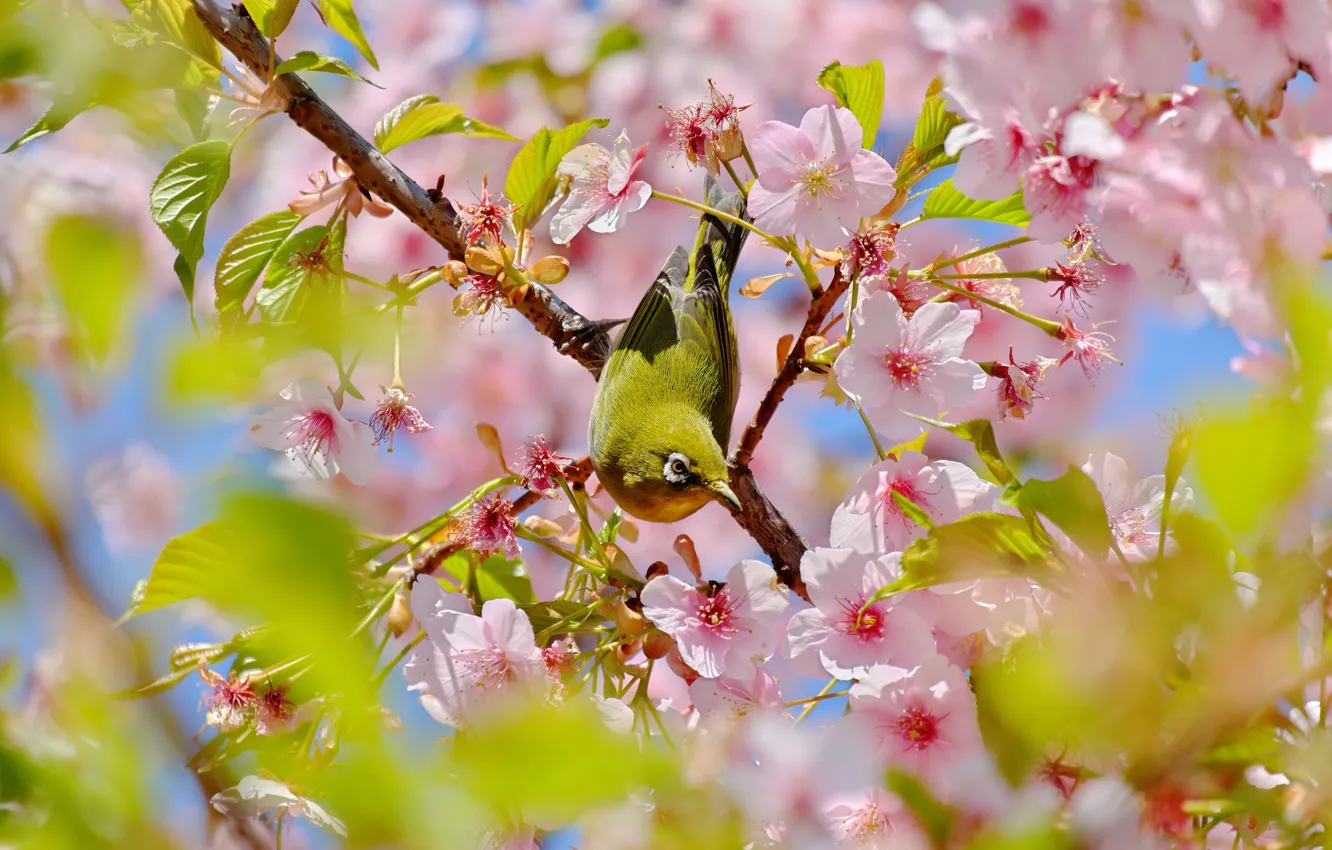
[{"x": 676, "y": 469}]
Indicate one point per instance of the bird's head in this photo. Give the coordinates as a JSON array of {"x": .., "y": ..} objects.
[{"x": 672, "y": 467}]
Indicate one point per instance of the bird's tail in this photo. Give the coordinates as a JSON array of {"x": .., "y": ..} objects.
[{"x": 724, "y": 238}]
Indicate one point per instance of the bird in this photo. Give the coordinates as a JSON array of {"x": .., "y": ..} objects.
[{"x": 661, "y": 419}]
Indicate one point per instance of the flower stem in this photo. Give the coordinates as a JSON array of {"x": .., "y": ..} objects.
[
  {"x": 675, "y": 199},
  {"x": 380, "y": 607},
  {"x": 815, "y": 701},
  {"x": 851, "y": 303},
  {"x": 744, "y": 151},
  {"x": 594, "y": 541},
  {"x": 378, "y": 681},
  {"x": 397, "y": 352},
  {"x": 1051, "y": 328},
  {"x": 793, "y": 703},
  {"x": 365, "y": 280},
  {"x": 912, "y": 222},
  {"x": 979, "y": 252},
  {"x": 874, "y": 438},
  {"x": 1042, "y": 275},
  {"x": 424, "y": 531},
  {"x": 525, "y": 533},
  {"x": 739, "y": 184},
  {"x": 554, "y": 628}
]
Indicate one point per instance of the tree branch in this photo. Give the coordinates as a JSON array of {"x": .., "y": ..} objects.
[{"x": 571, "y": 332}]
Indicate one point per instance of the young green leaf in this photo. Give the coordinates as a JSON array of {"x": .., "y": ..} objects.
[
  {"x": 531, "y": 182},
  {"x": 94, "y": 266},
  {"x": 980, "y": 433},
  {"x": 246, "y": 255},
  {"x": 945, "y": 201},
  {"x": 308, "y": 60},
  {"x": 271, "y": 16},
  {"x": 976, "y": 546},
  {"x": 63, "y": 110},
  {"x": 860, "y": 89},
  {"x": 177, "y": 20},
  {"x": 284, "y": 293},
  {"x": 912, "y": 511},
  {"x": 340, "y": 16},
  {"x": 497, "y": 577},
  {"x": 1072, "y": 503},
  {"x": 423, "y": 115},
  {"x": 557, "y": 612},
  {"x": 186, "y": 569},
  {"x": 181, "y": 198},
  {"x": 932, "y": 128}
]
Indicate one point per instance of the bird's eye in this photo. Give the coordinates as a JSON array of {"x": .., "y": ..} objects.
[{"x": 677, "y": 469}]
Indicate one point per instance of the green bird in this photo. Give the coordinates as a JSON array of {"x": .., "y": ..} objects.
[{"x": 661, "y": 421}]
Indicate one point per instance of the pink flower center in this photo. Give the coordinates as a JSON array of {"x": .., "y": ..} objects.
[
  {"x": 865, "y": 823},
  {"x": 1029, "y": 20},
  {"x": 918, "y": 728},
  {"x": 717, "y": 613},
  {"x": 865, "y": 623},
  {"x": 488, "y": 669},
  {"x": 1270, "y": 14},
  {"x": 819, "y": 179},
  {"x": 908, "y": 368},
  {"x": 314, "y": 433},
  {"x": 907, "y": 487},
  {"x": 1130, "y": 526}
]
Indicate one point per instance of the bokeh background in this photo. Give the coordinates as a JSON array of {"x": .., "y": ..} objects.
[{"x": 134, "y": 465}]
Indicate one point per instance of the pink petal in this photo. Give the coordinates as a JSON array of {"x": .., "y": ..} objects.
[
  {"x": 942, "y": 329},
  {"x": 355, "y": 454},
  {"x": 774, "y": 211},
  {"x": 585, "y": 162},
  {"x": 668, "y": 603},
  {"x": 956, "y": 382},
  {"x": 873, "y": 178},
  {"x": 834, "y": 132},
  {"x": 778, "y": 149},
  {"x": 509, "y": 628}
]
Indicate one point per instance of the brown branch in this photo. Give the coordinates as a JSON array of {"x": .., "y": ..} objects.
[
  {"x": 571, "y": 332},
  {"x": 564, "y": 326},
  {"x": 820, "y": 306}
]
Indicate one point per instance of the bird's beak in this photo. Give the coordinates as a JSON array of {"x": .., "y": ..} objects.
[{"x": 724, "y": 493}]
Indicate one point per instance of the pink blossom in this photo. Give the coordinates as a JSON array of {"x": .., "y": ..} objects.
[
  {"x": 255, "y": 796},
  {"x": 816, "y": 181},
  {"x": 1091, "y": 348},
  {"x": 602, "y": 189},
  {"x": 870, "y": 521},
  {"x": 230, "y": 703},
  {"x": 1076, "y": 281},
  {"x": 539, "y": 465},
  {"x": 313, "y": 434},
  {"x": 487, "y": 527},
  {"x": 344, "y": 189},
  {"x": 844, "y": 636},
  {"x": 1002, "y": 290},
  {"x": 873, "y": 819},
  {"x": 737, "y": 694},
  {"x": 274, "y": 714},
  {"x": 991, "y": 161},
  {"x": 719, "y": 628},
  {"x": 707, "y": 131},
  {"x": 1141, "y": 45},
  {"x": 468, "y": 662},
  {"x": 488, "y": 219},
  {"x": 1259, "y": 41},
  {"x": 1134, "y": 510},
  {"x": 484, "y": 298},
  {"x": 1017, "y": 384},
  {"x": 968, "y": 616},
  {"x": 135, "y": 496},
  {"x": 393, "y": 413},
  {"x": 897, "y": 366},
  {"x": 925, "y": 718},
  {"x": 870, "y": 253}
]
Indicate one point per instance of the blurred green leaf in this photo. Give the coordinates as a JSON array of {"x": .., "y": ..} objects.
[
  {"x": 180, "y": 200},
  {"x": 187, "y": 568},
  {"x": 64, "y": 110},
  {"x": 177, "y": 20},
  {"x": 212, "y": 369},
  {"x": 543, "y": 615},
  {"x": 308, "y": 60},
  {"x": 195, "y": 106},
  {"x": 934, "y": 817},
  {"x": 246, "y": 255},
  {"x": 860, "y": 89},
  {"x": 1013, "y": 754},
  {"x": 272, "y": 16},
  {"x": 570, "y": 762},
  {"x": 94, "y": 266},
  {"x": 1072, "y": 503},
  {"x": 945, "y": 201},
  {"x": 340, "y": 16},
  {"x": 976, "y": 546},
  {"x": 8, "y": 581},
  {"x": 423, "y": 115},
  {"x": 497, "y": 577},
  {"x": 161, "y": 684},
  {"x": 531, "y": 182},
  {"x": 619, "y": 37},
  {"x": 980, "y": 433}
]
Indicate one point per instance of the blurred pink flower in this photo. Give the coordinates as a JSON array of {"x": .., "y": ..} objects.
[
  {"x": 815, "y": 181},
  {"x": 991, "y": 160},
  {"x": 871, "y": 523},
  {"x": 274, "y": 714},
  {"x": 843, "y": 636},
  {"x": 345, "y": 188},
  {"x": 539, "y": 465},
  {"x": 468, "y": 662},
  {"x": 737, "y": 694},
  {"x": 602, "y": 189},
  {"x": 874, "y": 819},
  {"x": 925, "y": 717},
  {"x": 313, "y": 434},
  {"x": 393, "y": 413},
  {"x": 255, "y": 796},
  {"x": 231, "y": 703},
  {"x": 1135, "y": 510},
  {"x": 135, "y": 496},
  {"x": 1260, "y": 42},
  {"x": 1002, "y": 290},
  {"x": 895, "y": 365},
  {"x": 720, "y": 628},
  {"x": 487, "y": 527}
]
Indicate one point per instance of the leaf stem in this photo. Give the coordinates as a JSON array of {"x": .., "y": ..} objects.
[
  {"x": 595, "y": 542},
  {"x": 367, "y": 281},
  {"x": 525, "y": 533},
  {"x": 378, "y": 682},
  {"x": 823, "y": 694},
  {"x": 1051, "y": 328},
  {"x": 874, "y": 438},
  {"x": 685, "y": 202},
  {"x": 979, "y": 252}
]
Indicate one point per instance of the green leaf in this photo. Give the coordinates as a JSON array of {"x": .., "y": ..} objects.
[
  {"x": 945, "y": 201},
  {"x": 980, "y": 433},
  {"x": 246, "y": 255},
  {"x": 284, "y": 293},
  {"x": 187, "y": 568},
  {"x": 1072, "y": 503},
  {"x": 913, "y": 511},
  {"x": 935, "y": 817},
  {"x": 932, "y": 128},
  {"x": 308, "y": 60},
  {"x": 156, "y": 686},
  {"x": 531, "y": 180},
  {"x": 211, "y": 369},
  {"x": 194, "y": 106},
  {"x": 497, "y": 577},
  {"x": 860, "y": 89},
  {"x": 544, "y": 615},
  {"x": 94, "y": 265},
  {"x": 271, "y": 17},
  {"x": 976, "y": 546},
  {"x": 339, "y": 15},
  {"x": 423, "y": 115},
  {"x": 182, "y": 196},
  {"x": 616, "y": 38},
  {"x": 177, "y": 20},
  {"x": 61, "y": 113}
]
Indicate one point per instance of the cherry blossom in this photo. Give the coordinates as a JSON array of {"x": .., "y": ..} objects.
[
  {"x": 1002, "y": 290},
  {"x": 487, "y": 527},
  {"x": 602, "y": 189},
  {"x": 736, "y": 694},
  {"x": 991, "y": 161},
  {"x": 135, "y": 495},
  {"x": 254, "y": 796},
  {"x": 468, "y": 662},
  {"x": 1016, "y": 392},
  {"x": 1135, "y": 509},
  {"x": 844, "y": 637},
  {"x": 345, "y": 189},
  {"x": 313, "y": 434},
  {"x": 871, "y": 522},
  {"x": 274, "y": 714},
  {"x": 1259, "y": 42},
  {"x": 719, "y": 628},
  {"x": 393, "y": 413},
  {"x": 897, "y": 366},
  {"x": 539, "y": 465},
  {"x": 232, "y": 701},
  {"x": 488, "y": 219},
  {"x": 924, "y": 718},
  {"x": 816, "y": 181},
  {"x": 875, "y": 820}
]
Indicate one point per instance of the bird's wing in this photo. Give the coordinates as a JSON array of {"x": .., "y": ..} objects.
[
  {"x": 704, "y": 318},
  {"x": 652, "y": 328}
]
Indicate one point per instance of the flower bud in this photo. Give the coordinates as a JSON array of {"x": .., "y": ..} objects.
[
  {"x": 657, "y": 568},
  {"x": 679, "y": 667},
  {"x": 483, "y": 261},
  {"x": 399, "y": 616},
  {"x": 684, "y": 547},
  {"x": 549, "y": 270},
  {"x": 657, "y": 644},
  {"x": 453, "y": 272},
  {"x": 625, "y": 651},
  {"x": 542, "y": 527}
]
